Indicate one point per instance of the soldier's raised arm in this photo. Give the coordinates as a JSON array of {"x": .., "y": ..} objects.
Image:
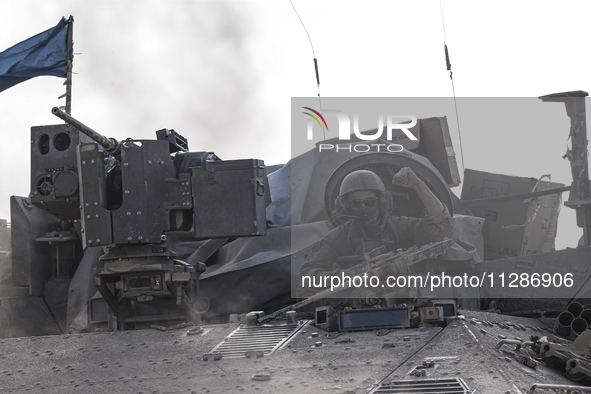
[{"x": 407, "y": 178}]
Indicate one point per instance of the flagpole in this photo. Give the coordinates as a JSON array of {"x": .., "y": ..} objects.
[{"x": 69, "y": 59}]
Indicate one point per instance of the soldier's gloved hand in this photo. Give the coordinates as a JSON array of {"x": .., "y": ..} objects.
[
  {"x": 377, "y": 251},
  {"x": 406, "y": 178}
]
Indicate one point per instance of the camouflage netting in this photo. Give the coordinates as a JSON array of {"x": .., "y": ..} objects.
[{"x": 248, "y": 274}]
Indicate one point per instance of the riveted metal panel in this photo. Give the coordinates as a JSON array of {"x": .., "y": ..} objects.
[
  {"x": 150, "y": 190},
  {"x": 96, "y": 219}
]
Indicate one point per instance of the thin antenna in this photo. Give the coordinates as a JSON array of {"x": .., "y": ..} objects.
[
  {"x": 443, "y": 22},
  {"x": 315, "y": 61},
  {"x": 69, "y": 58},
  {"x": 453, "y": 88}
]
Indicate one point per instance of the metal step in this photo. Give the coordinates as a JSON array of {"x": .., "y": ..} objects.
[
  {"x": 423, "y": 386},
  {"x": 267, "y": 339}
]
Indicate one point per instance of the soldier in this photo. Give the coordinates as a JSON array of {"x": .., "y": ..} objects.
[{"x": 364, "y": 198}]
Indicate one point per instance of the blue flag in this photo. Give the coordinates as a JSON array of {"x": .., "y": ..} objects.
[{"x": 42, "y": 54}]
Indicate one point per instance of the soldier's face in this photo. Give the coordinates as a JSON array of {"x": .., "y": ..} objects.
[{"x": 364, "y": 205}]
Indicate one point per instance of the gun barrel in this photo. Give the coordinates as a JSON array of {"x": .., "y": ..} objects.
[{"x": 110, "y": 145}]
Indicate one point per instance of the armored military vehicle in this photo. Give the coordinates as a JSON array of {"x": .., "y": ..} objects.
[{"x": 139, "y": 266}]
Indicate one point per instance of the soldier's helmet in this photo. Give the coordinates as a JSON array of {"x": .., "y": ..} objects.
[{"x": 361, "y": 180}]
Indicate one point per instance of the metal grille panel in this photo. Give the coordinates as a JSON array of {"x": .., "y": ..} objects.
[
  {"x": 424, "y": 386},
  {"x": 256, "y": 338}
]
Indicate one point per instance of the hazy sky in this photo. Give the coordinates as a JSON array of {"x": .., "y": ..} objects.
[{"x": 223, "y": 73}]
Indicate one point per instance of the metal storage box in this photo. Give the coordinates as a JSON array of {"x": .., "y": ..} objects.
[{"x": 230, "y": 198}]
